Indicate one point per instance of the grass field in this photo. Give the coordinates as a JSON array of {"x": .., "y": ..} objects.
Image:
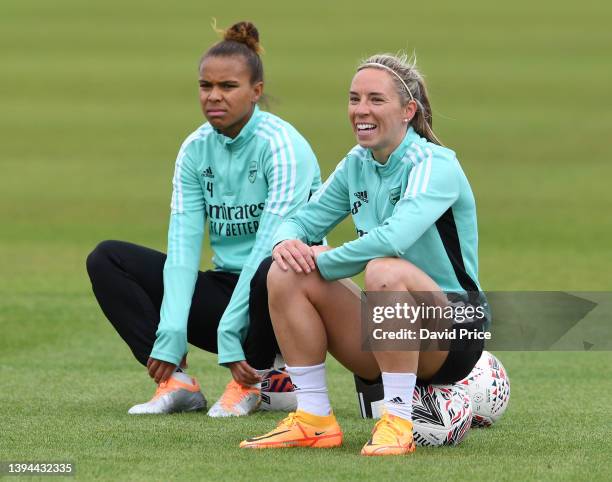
[{"x": 97, "y": 96}]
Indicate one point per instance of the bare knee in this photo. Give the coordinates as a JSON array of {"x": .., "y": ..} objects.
[
  {"x": 280, "y": 282},
  {"x": 285, "y": 284},
  {"x": 395, "y": 274},
  {"x": 386, "y": 274}
]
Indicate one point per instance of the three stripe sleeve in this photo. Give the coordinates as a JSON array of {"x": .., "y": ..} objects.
[
  {"x": 290, "y": 167},
  {"x": 185, "y": 236},
  {"x": 327, "y": 207},
  {"x": 433, "y": 186}
]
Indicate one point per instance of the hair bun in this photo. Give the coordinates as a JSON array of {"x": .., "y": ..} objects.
[{"x": 245, "y": 33}]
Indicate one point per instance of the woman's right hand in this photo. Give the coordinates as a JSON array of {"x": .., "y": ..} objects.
[
  {"x": 295, "y": 254},
  {"x": 160, "y": 370}
]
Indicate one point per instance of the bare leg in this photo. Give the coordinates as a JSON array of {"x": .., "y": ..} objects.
[
  {"x": 312, "y": 316},
  {"x": 398, "y": 275}
]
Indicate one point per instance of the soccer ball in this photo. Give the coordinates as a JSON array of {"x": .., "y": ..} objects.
[
  {"x": 277, "y": 392},
  {"x": 489, "y": 388},
  {"x": 441, "y": 414}
]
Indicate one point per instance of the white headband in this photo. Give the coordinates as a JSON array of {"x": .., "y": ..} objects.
[{"x": 376, "y": 64}]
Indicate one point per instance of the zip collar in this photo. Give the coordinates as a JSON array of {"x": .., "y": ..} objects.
[
  {"x": 402, "y": 155},
  {"x": 245, "y": 133}
]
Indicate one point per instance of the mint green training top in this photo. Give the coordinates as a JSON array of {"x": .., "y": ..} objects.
[
  {"x": 243, "y": 187},
  {"x": 417, "y": 206}
]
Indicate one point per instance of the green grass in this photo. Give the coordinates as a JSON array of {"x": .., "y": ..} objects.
[
  {"x": 68, "y": 390},
  {"x": 96, "y": 98}
]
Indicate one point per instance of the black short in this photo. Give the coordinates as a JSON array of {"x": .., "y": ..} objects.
[
  {"x": 462, "y": 357},
  {"x": 127, "y": 280}
]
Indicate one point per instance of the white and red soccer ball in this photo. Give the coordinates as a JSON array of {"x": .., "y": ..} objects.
[
  {"x": 489, "y": 388},
  {"x": 441, "y": 414}
]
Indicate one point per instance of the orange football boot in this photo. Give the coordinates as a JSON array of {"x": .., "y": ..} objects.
[
  {"x": 392, "y": 435},
  {"x": 299, "y": 429},
  {"x": 236, "y": 401}
]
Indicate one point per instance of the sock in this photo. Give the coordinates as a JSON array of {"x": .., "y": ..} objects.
[
  {"x": 310, "y": 389},
  {"x": 399, "y": 388},
  {"x": 182, "y": 377},
  {"x": 279, "y": 362}
]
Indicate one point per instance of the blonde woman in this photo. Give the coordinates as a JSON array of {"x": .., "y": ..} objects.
[{"x": 415, "y": 216}]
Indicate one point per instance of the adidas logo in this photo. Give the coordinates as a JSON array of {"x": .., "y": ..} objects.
[
  {"x": 208, "y": 173},
  {"x": 398, "y": 401},
  {"x": 362, "y": 196}
]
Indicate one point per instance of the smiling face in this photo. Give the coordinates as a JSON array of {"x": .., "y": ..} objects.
[
  {"x": 376, "y": 113},
  {"x": 227, "y": 96}
]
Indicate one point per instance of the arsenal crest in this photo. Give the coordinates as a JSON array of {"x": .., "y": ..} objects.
[
  {"x": 394, "y": 195},
  {"x": 252, "y": 172}
]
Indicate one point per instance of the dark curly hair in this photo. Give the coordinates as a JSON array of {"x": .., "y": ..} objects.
[{"x": 242, "y": 38}]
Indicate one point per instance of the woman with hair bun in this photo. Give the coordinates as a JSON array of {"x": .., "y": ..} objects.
[
  {"x": 243, "y": 172},
  {"x": 415, "y": 216}
]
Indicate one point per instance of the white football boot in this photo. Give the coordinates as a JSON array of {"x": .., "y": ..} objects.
[
  {"x": 180, "y": 393},
  {"x": 236, "y": 401}
]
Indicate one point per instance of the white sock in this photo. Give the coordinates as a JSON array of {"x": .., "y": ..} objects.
[
  {"x": 279, "y": 362},
  {"x": 182, "y": 377},
  {"x": 310, "y": 389},
  {"x": 399, "y": 388}
]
